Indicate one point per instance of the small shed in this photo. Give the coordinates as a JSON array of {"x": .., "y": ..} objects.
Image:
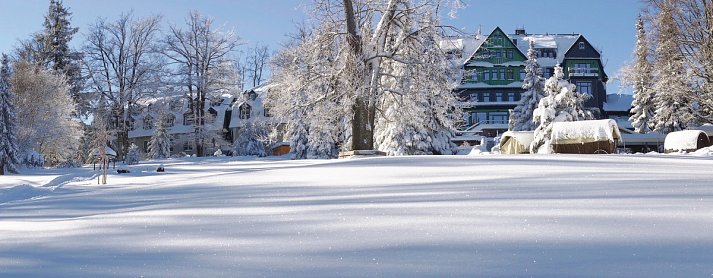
[
  {"x": 280, "y": 148},
  {"x": 585, "y": 137},
  {"x": 516, "y": 142},
  {"x": 685, "y": 140}
]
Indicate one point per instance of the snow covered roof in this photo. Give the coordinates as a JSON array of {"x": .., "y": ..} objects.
[
  {"x": 685, "y": 140},
  {"x": 585, "y": 132},
  {"x": 618, "y": 102},
  {"x": 561, "y": 43},
  {"x": 466, "y": 45}
]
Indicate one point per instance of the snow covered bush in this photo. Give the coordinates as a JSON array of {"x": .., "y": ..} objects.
[
  {"x": 250, "y": 140},
  {"x": 34, "y": 159},
  {"x": 133, "y": 155}
]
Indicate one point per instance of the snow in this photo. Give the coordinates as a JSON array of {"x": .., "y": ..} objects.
[
  {"x": 682, "y": 140},
  {"x": 423, "y": 216},
  {"x": 618, "y": 102},
  {"x": 585, "y": 132}
]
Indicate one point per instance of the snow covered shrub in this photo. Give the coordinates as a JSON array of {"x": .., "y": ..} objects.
[
  {"x": 133, "y": 155},
  {"x": 34, "y": 159}
]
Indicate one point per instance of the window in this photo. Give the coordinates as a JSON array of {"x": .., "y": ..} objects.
[
  {"x": 188, "y": 119},
  {"x": 509, "y": 74},
  {"x": 498, "y": 117},
  {"x": 486, "y": 74},
  {"x": 547, "y": 72},
  {"x": 514, "y": 41},
  {"x": 495, "y": 74},
  {"x": 474, "y": 75},
  {"x": 584, "y": 87},
  {"x": 522, "y": 74},
  {"x": 499, "y": 97},
  {"x": 170, "y": 119},
  {"x": 212, "y": 114},
  {"x": 170, "y": 144},
  {"x": 502, "y": 74},
  {"x": 245, "y": 110},
  {"x": 511, "y": 97},
  {"x": 498, "y": 54},
  {"x": 187, "y": 146},
  {"x": 148, "y": 122},
  {"x": 509, "y": 54},
  {"x": 486, "y": 97},
  {"x": 581, "y": 45}
]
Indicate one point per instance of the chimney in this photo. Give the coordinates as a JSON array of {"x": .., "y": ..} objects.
[{"x": 520, "y": 30}]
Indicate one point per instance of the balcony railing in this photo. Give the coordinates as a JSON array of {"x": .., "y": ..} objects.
[{"x": 583, "y": 72}]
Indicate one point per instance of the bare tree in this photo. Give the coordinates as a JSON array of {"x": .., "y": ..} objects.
[
  {"x": 200, "y": 55},
  {"x": 123, "y": 67},
  {"x": 255, "y": 63}
]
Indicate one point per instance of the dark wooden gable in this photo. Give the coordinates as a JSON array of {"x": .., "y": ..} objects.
[
  {"x": 576, "y": 51},
  {"x": 481, "y": 54}
]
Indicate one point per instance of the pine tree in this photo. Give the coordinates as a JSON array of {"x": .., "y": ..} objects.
[
  {"x": 8, "y": 142},
  {"x": 562, "y": 104},
  {"x": 249, "y": 141},
  {"x": 160, "y": 144},
  {"x": 521, "y": 116},
  {"x": 133, "y": 155},
  {"x": 643, "y": 105},
  {"x": 55, "y": 52},
  {"x": 672, "y": 93}
]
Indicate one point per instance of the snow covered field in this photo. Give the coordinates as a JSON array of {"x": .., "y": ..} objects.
[{"x": 437, "y": 216}]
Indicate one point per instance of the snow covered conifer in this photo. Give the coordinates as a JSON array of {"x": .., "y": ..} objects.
[
  {"x": 160, "y": 144},
  {"x": 672, "y": 93},
  {"x": 133, "y": 155},
  {"x": 249, "y": 141},
  {"x": 8, "y": 122},
  {"x": 643, "y": 105},
  {"x": 562, "y": 104},
  {"x": 521, "y": 116}
]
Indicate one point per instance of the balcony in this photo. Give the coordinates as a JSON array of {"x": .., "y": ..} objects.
[{"x": 583, "y": 72}]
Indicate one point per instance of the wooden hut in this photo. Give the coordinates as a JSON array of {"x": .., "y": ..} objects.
[
  {"x": 516, "y": 142},
  {"x": 685, "y": 140},
  {"x": 585, "y": 137}
]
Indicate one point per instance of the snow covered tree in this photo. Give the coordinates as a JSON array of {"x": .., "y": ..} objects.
[
  {"x": 671, "y": 88},
  {"x": 201, "y": 54},
  {"x": 123, "y": 68},
  {"x": 521, "y": 116},
  {"x": 348, "y": 71},
  {"x": 643, "y": 105},
  {"x": 44, "y": 109},
  {"x": 9, "y": 151},
  {"x": 250, "y": 140},
  {"x": 100, "y": 138},
  {"x": 133, "y": 155},
  {"x": 562, "y": 104},
  {"x": 160, "y": 144}
]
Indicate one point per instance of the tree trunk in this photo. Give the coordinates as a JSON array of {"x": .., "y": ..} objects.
[
  {"x": 2, "y": 169},
  {"x": 362, "y": 130}
]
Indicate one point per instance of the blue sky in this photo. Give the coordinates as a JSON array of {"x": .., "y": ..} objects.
[{"x": 607, "y": 24}]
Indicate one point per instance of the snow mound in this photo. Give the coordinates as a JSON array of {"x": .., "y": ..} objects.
[
  {"x": 703, "y": 152},
  {"x": 21, "y": 192}
]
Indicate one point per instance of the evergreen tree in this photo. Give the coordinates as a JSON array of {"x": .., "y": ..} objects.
[
  {"x": 8, "y": 142},
  {"x": 672, "y": 93},
  {"x": 133, "y": 155},
  {"x": 55, "y": 52},
  {"x": 643, "y": 105},
  {"x": 562, "y": 104},
  {"x": 249, "y": 141},
  {"x": 521, "y": 116},
  {"x": 160, "y": 144}
]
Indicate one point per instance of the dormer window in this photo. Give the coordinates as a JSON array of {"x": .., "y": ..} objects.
[
  {"x": 188, "y": 119},
  {"x": 148, "y": 122},
  {"x": 170, "y": 119},
  {"x": 245, "y": 111},
  {"x": 212, "y": 115},
  {"x": 581, "y": 45}
]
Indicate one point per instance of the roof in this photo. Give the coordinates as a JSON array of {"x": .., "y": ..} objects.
[
  {"x": 707, "y": 128},
  {"x": 618, "y": 102},
  {"x": 585, "y": 132},
  {"x": 561, "y": 42},
  {"x": 524, "y": 137},
  {"x": 467, "y": 45}
]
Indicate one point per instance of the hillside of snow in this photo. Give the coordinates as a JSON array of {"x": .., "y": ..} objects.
[{"x": 425, "y": 216}]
